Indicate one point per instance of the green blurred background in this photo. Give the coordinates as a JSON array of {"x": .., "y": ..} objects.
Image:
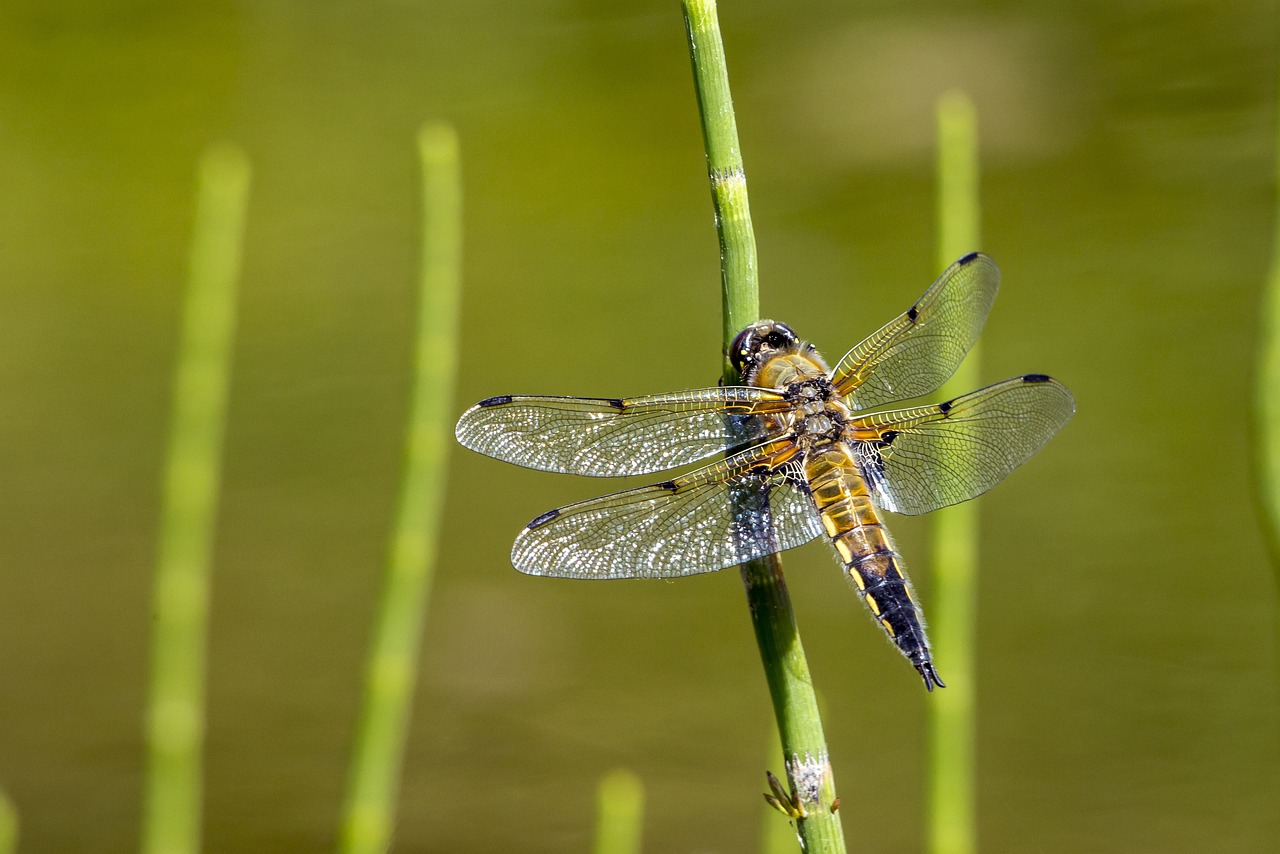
[{"x": 1127, "y": 677}]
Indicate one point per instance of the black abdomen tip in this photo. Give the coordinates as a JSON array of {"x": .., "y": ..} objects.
[{"x": 930, "y": 675}]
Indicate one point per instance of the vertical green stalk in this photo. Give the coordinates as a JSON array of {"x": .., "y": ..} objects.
[
  {"x": 8, "y": 825},
  {"x": 1267, "y": 429},
  {"x": 620, "y": 813},
  {"x": 176, "y": 721},
  {"x": 954, "y": 600},
  {"x": 740, "y": 290},
  {"x": 804, "y": 746},
  {"x": 391, "y": 676},
  {"x": 1267, "y": 399}
]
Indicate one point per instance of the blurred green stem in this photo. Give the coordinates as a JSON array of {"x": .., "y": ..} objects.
[
  {"x": 8, "y": 825},
  {"x": 1267, "y": 430},
  {"x": 620, "y": 813},
  {"x": 952, "y": 824},
  {"x": 393, "y": 662},
  {"x": 1267, "y": 402},
  {"x": 808, "y": 764},
  {"x": 176, "y": 721}
]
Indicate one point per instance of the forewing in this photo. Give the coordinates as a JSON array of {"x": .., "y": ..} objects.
[
  {"x": 917, "y": 460},
  {"x": 746, "y": 506},
  {"x": 917, "y": 351},
  {"x": 605, "y": 437}
]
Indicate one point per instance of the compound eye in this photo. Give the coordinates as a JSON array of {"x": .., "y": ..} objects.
[{"x": 783, "y": 336}]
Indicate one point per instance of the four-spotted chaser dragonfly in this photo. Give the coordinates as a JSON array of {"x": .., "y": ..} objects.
[{"x": 800, "y": 460}]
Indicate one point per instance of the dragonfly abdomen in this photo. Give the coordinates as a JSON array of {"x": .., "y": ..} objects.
[{"x": 867, "y": 553}]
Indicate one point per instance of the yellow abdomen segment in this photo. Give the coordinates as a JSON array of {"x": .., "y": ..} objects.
[{"x": 850, "y": 519}]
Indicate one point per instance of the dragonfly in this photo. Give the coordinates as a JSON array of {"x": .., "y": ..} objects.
[{"x": 803, "y": 451}]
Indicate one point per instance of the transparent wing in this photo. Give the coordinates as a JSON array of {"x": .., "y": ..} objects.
[
  {"x": 605, "y": 437},
  {"x": 917, "y": 460},
  {"x": 746, "y": 506},
  {"x": 916, "y": 352}
]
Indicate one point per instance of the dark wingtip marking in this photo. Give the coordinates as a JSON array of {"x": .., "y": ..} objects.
[
  {"x": 542, "y": 520},
  {"x": 668, "y": 485},
  {"x": 500, "y": 400},
  {"x": 968, "y": 258},
  {"x": 1036, "y": 378},
  {"x": 944, "y": 407},
  {"x": 930, "y": 675}
]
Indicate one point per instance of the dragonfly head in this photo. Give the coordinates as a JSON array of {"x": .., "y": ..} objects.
[{"x": 758, "y": 342}]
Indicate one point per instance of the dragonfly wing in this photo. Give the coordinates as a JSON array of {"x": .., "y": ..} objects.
[
  {"x": 605, "y": 437},
  {"x": 916, "y": 352},
  {"x": 917, "y": 460},
  {"x": 746, "y": 506}
]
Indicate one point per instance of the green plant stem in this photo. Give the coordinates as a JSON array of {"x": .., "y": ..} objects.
[
  {"x": 176, "y": 721},
  {"x": 1267, "y": 430},
  {"x": 738, "y": 275},
  {"x": 8, "y": 825},
  {"x": 808, "y": 764},
  {"x": 393, "y": 662},
  {"x": 620, "y": 813},
  {"x": 952, "y": 823}
]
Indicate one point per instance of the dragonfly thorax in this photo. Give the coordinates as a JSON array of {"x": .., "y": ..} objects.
[{"x": 819, "y": 414}]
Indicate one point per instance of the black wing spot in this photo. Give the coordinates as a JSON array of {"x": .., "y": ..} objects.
[
  {"x": 615, "y": 402},
  {"x": 945, "y": 407},
  {"x": 913, "y": 313},
  {"x": 968, "y": 258},
  {"x": 542, "y": 520},
  {"x": 500, "y": 400},
  {"x": 668, "y": 485},
  {"x": 1036, "y": 378},
  {"x": 887, "y": 437}
]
